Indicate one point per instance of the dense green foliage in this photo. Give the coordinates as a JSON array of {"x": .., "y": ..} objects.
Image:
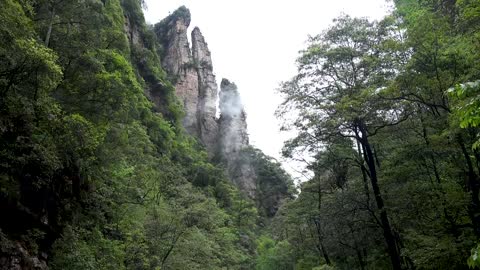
[
  {"x": 274, "y": 185},
  {"x": 93, "y": 176},
  {"x": 389, "y": 112}
]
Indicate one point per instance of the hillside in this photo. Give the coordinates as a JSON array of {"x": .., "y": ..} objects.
[
  {"x": 100, "y": 166},
  {"x": 121, "y": 149}
]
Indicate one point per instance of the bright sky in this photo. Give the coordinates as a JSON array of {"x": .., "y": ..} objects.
[{"x": 254, "y": 43}]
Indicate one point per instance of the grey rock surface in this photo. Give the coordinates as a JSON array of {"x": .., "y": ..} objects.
[
  {"x": 177, "y": 60},
  {"x": 191, "y": 70},
  {"x": 233, "y": 138},
  {"x": 207, "y": 92}
]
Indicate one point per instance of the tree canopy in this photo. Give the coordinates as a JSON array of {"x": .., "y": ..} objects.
[{"x": 387, "y": 111}]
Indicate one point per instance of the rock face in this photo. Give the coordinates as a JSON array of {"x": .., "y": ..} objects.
[
  {"x": 15, "y": 257},
  {"x": 207, "y": 91},
  {"x": 192, "y": 73},
  {"x": 131, "y": 30},
  {"x": 191, "y": 70},
  {"x": 233, "y": 123},
  {"x": 179, "y": 64},
  {"x": 233, "y": 138}
]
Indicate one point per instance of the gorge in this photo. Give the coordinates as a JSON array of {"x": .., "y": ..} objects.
[
  {"x": 120, "y": 148},
  {"x": 119, "y": 159}
]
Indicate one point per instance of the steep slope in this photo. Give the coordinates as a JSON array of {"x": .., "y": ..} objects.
[{"x": 96, "y": 171}]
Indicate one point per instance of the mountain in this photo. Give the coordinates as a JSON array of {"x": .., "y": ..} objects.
[
  {"x": 112, "y": 154},
  {"x": 190, "y": 68}
]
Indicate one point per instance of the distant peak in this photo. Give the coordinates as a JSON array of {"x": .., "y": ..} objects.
[
  {"x": 182, "y": 12},
  {"x": 196, "y": 29},
  {"x": 227, "y": 84},
  {"x": 197, "y": 34}
]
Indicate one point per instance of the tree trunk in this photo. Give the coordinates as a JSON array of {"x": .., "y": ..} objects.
[
  {"x": 431, "y": 156},
  {"x": 50, "y": 26},
  {"x": 325, "y": 255},
  {"x": 474, "y": 187},
  {"x": 387, "y": 229},
  {"x": 364, "y": 175},
  {"x": 360, "y": 257},
  {"x": 318, "y": 226},
  {"x": 450, "y": 219}
]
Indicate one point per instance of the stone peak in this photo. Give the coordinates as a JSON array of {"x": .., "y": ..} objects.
[
  {"x": 180, "y": 14},
  {"x": 201, "y": 53},
  {"x": 198, "y": 41},
  {"x": 196, "y": 31},
  {"x": 226, "y": 85},
  {"x": 230, "y": 101}
]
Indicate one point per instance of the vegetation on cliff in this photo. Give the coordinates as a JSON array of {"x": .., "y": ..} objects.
[
  {"x": 97, "y": 172},
  {"x": 93, "y": 175}
]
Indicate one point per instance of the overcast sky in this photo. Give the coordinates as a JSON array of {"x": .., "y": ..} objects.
[{"x": 254, "y": 43}]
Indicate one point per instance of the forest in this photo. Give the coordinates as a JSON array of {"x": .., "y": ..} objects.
[{"x": 98, "y": 172}]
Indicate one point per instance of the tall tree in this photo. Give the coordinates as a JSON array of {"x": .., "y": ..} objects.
[{"x": 336, "y": 95}]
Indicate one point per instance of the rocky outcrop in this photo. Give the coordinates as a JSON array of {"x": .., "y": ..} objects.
[
  {"x": 233, "y": 138},
  {"x": 132, "y": 32},
  {"x": 233, "y": 125},
  {"x": 178, "y": 62},
  {"x": 13, "y": 256},
  {"x": 191, "y": 70},
  {"x": 192, "y": 73},
  {"x": 207, "y": 91}
]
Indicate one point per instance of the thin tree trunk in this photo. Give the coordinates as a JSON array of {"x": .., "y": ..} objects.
[
  {"x": 318, "y": 226},
  {"x": 364, "y": 175},
  {"x": 474, "y": 186},
  {"x": 360, "y": 257},
  {"x": 50, "y": 26},
  {"x": 431, "y": 155},
  {"x": 170, "y": 249},
  {"x": 438, "y": 179},
  {"x": 325, "y": 255},
  {"x": 387, "y": 228}
]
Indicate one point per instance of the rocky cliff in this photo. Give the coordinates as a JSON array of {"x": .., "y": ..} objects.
[
  {"x": 178, "y": 62},
  {"x": 207, "y": 91},
  {"x": 191, "y": 69},
  {"x": 233, "y": 138}
]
